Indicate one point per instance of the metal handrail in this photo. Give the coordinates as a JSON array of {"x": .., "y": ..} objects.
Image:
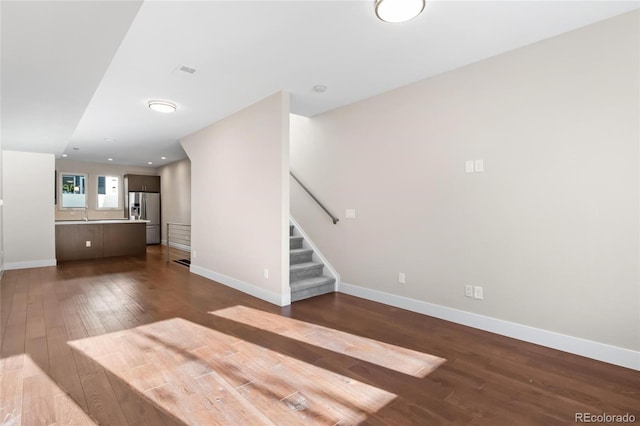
[
  {"x": 179, "y": 239},
  {"x": 333, "y": 218}
]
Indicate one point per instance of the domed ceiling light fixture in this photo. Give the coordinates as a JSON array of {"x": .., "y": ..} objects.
[
  {"x": 319, "y": 88},
  {"x": 398, "y": 10},
  {"x": 162, "y": 106}
]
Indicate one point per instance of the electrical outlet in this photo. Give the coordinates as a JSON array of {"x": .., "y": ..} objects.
[
  {"x": 193, "y": 254},
  {"x": 468, "y": 290},
  {"x": 350, "y": 213},
  {"x": 468, "y": 166},
  {"x": 478, "y": 293},
  {"x": 478, "y": 166},
  {"x": 401, "y": 278},
  {"x": 88, "y": 243},
  {"x": 266, "y": 273}
]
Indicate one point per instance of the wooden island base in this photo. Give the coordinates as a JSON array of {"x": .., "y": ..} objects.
[{"x": 93, "y": 240}]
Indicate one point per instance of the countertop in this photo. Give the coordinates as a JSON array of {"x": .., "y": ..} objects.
[{"x": 98, "y": 222}]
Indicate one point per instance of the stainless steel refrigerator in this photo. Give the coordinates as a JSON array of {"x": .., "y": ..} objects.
[{"x": 146, "y": 206}]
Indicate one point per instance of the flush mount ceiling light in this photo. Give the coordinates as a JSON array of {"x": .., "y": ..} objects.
[
  {"x": 398, "y": 10},
  {"x": 162, "y": 106},
  {"x": 319, "y": 88}
]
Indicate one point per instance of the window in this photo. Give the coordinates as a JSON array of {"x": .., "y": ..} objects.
[
  {"x": 108, "y": 192},
  {"x": 73, "y": 190}
]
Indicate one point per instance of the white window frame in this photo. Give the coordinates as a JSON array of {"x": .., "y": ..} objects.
[
  {"x": 60, "y": 190},
  {"x": 120, "y": 189}
]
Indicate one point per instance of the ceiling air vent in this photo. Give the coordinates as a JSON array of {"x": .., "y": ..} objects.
[{"x": 187, "y": 69}]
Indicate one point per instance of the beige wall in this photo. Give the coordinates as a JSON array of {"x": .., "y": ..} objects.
[
  {"x": 28, "y": 212},
  {"x": 93, "y": 170},
  {"x": 1, "y": 217},
  {"x": 176, "y": 194},
  {"x": 240, "y": 202},
  {"x": 550, "y": 228}
]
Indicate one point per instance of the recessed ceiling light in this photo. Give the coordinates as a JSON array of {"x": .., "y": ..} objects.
[
  {"x": 109, "y": 139},
  {"x": 149, "y": 162},
  {"x": 163, "y": 158},
  {"x": 75, "y": 148},
  {"x": 162, "y": 106},
  {"x": 110, "y": 159},
  {"x": 64, "y": 155},
  {"x": 319, "y": 88}
]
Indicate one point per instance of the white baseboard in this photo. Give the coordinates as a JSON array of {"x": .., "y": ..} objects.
[
  {"x": 575, "y": 345},
  {"x": 29, "y": 264},
  {"x": 260, "y": 293}
]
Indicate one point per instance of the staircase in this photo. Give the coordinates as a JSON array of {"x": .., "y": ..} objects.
[{"x": 306, "y": 277}]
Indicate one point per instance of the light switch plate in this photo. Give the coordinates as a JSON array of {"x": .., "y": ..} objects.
[
  {"x": 478, "y": 293},
  {"x": 468, "y": 290},
  {"x": 350, "y": 213},
  {"x": 402, "y": 279},
  {"x": 468, "y": 166},
  {"x": 88, "y": 243},
  {"x": 478, "y": 166}
]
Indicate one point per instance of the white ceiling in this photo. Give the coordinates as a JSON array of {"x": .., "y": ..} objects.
[{"x": 79, "y": 74}]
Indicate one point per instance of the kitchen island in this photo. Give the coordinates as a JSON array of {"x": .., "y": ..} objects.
[{"x": 81, "y": 239}]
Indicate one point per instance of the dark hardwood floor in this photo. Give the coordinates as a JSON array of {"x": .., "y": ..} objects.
[{"x": 131, "y": 341}]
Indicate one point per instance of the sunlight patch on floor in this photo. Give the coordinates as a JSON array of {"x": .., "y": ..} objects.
[
  {"x": 46, "y": 402},
  {"x": 203, "y": 376},
  {"x": 397, "y": 358}
]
